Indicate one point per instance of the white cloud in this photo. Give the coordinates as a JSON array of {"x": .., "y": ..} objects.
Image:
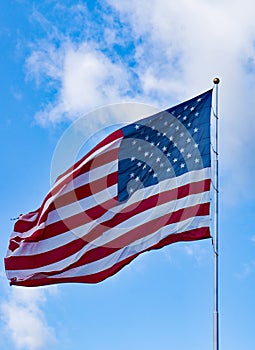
[
  {"x": 24, "y": 321},
  {"x": 178, "y": 48},
  {"x": 90, "y": 79},
  {"x": 86, "y": 79}
]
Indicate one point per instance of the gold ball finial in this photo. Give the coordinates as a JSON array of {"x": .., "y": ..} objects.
[{"x": 216, "y": 81}]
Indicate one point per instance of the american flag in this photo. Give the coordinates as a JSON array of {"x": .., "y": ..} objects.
[{"x": 143, "y": 187}]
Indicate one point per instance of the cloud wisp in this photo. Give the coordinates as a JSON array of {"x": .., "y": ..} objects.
[{"x": 24, "y": 321}]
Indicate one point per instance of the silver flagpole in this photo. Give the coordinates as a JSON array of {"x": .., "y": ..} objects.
[{"x": 215, "y": 238}]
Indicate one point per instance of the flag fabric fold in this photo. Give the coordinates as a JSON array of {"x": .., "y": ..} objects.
[{"x": 143, "y": 187}]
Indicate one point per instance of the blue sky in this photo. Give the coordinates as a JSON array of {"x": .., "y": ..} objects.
[{"x": 62, "y": 61}]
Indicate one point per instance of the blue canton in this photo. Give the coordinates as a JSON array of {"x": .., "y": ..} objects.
[{"x": 165, "y": 145}]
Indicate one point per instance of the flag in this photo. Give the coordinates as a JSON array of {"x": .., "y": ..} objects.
[{"x": 143, "y": 187}]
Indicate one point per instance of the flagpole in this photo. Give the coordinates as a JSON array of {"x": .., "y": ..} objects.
[{"x": 216, "y": 81}]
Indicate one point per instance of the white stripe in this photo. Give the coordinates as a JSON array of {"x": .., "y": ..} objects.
[
  {"x": 168, "y": 184},
  {"x": 109, "y": 235},
  {"x": 33, "y": 248},
  {"x": 83, "y": 179},
  {"x": 91, "y": 175},
  {"x": 117, "y": 256},
  {"x": 112, "y": 145},
  {"x": 30, "y": 219},
  {"x": 75, "y": 208},
  {"x": 23, "y": 218},
  {"x": 149, "y": 215},
  {"x": 140, "y": 245},
  {"x": 80, "y": 206},
  {"x": 192, "y": 176},
  {"x": 99, "y": 198}
]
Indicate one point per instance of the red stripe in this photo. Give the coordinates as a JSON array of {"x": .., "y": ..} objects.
[
  {"x": 23, "y": 226},
  {"x": 72, "y": 196},
  {"x": 30, "y": 224},
  {"x": 141, "y": 232},
  {"x": 84, "y": 191},
  {"x": 39, "y": 279},
  {"x": 94, "y": 213},
  {"x": 112, "y": 137},
  {"x": 74, "y": 246},
  {"x": 59, "y": 227},
  {"x": 39, "y": 260},
  {"x": 72, "y": 222},
  {"x": 13, "y": 245}
]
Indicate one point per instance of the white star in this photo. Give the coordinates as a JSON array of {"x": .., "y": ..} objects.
[
  {"x": 131, "y": 190},
  {"x": 196, "y": 114},
  {"x": 164, "y": 149},
  {"x": 185, "y": 117},
  {"x": 175, "y": 144},
  {"x": 192, "y": 109},
  {"x": 144, "y": 167},
  {"x": 199, "y": 99},
  {"x": 139, "y": 148},
  {"x": 132, "y": 159},
  {"x": 158, "y": 133},
  {"x": 177, "y": 128},
  {"x": 137, "y": 127},
  {"x": 168, "y": 169},
  {"x": 181, "y": 134},
  {"x": 196, "y": 160},
  {"x": 188, "y": 140},
  {"x": 161, "y": 165},
  {"x": 189, "y": 155},
  {"x": 165, "y": 123},
  {"x": 182, "y": 165},
  {"x": 173, "y": 112},
  {"x": 132, "y": 175},
  {"x": 196, "y": 145},
  {"x": 137, "y": 178},
  {"x": 182, "y": 150},
  {"x": 171, "y": 138},
  {"x": 164, "y": 134},
  {"x": 152, "y": 143},
  {"x": 175, "y": 160},
  {"x": 189, "y": 124},
  {"x": 146, "y": 154},
  {"x": 139, "y": 164},
  {"x": 158, "y": 159},
  {"x": 153, "y": 127},
  {"x": 154, "y": 175},
  {"x": 147, "y": 138},
  {"x": 185, "y": 108},
  {"x": 134, "y": 142},
  {"x": 196, "y": 130}
]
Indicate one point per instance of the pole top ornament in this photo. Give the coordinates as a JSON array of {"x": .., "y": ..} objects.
[{"x": 216, "y": 81}]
